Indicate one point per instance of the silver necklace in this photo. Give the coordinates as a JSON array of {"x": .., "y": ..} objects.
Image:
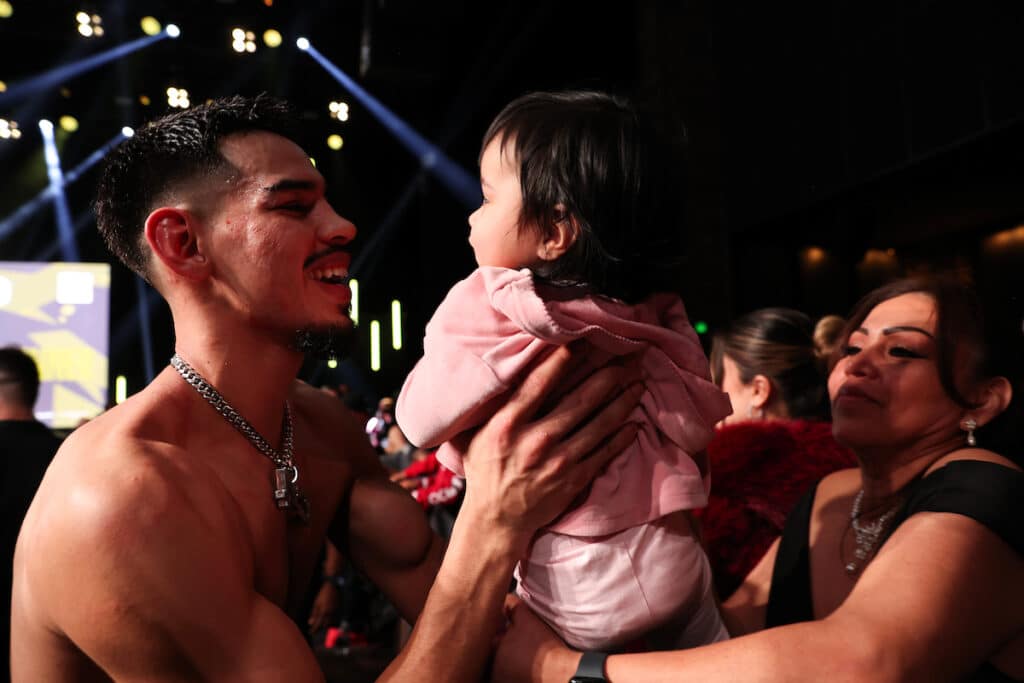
[
  {"x": 287, "y": 494},
  {"x": 866, "y": 535}
]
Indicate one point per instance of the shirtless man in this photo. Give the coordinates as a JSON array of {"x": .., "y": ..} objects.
[{"x": 169, "y": 544}]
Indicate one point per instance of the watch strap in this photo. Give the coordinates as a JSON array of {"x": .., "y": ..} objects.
[{"x": 591, "y": 668}]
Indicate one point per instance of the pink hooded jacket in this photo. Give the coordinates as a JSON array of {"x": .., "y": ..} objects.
[{"x": 495, "y": 324}]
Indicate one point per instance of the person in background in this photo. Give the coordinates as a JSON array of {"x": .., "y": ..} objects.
[
  {"x": 773, "y": 363},
  {"x": 26, "y": 448}
]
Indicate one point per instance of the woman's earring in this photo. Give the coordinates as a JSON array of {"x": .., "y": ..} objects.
[{"x": 969, "y": 425}]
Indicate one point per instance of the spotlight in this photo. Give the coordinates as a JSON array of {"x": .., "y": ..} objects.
[
  {"x": 45, "y": 126},
  {"x": 243, "y": 40},
  {"x": 177, "y": 97},
  {"x": 302, "y": 44},
  {"x": 9, "y": 130},
  {"x": 127, "y": 131},
  {"x": 339, "y": 110},
  {"x": 68, "y": 123},
  {"x": 6, "y": 9},
  {"x": 150, "y": 26},
  {"x": 272, "y": 38},
  {"x": 173, "y": 31},
  {"x": 144, "y": 100},
  {"x": 3, "y": 87},
  {"x": 89, "y": 25},
  {"x": 335, "y": 142}
]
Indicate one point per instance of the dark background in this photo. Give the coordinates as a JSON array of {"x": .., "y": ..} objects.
[{"x": 833, "y": 144}]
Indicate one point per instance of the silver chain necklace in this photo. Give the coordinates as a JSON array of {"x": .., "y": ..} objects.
[
  {"x": 866, "y": 535},
  {"x": 287, "y": 494}
]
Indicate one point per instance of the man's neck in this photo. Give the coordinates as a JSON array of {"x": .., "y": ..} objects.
[{"x": 252, "y": 374}]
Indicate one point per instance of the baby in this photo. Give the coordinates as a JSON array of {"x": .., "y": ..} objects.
[{"x": 575, "y": 239}]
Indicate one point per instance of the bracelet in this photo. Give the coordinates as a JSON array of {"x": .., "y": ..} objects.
[{"x": 591, "y": 668}]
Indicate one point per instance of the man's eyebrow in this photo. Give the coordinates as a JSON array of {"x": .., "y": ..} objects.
[{"x": 291, "y": 184}]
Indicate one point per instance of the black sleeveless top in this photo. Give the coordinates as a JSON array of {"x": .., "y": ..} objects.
[{"x": 988, "y": 493}]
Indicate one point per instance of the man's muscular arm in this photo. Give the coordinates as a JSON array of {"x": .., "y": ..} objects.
[{"x": 138, "y": 568}]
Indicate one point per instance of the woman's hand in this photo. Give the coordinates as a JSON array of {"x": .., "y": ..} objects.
[{"x": 529, "y": 651}]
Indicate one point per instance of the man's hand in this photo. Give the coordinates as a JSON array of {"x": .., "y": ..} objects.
[{"x": 524, "y": 468}]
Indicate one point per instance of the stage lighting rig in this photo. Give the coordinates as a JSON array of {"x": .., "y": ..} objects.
[
  {"x": 9, "y": 130},
  {"x": 89, "y": 25}
]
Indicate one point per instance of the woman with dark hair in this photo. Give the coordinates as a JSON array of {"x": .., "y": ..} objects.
[
  {"x": 773, "y": 364},
  {"x": 909, "y": 567}
]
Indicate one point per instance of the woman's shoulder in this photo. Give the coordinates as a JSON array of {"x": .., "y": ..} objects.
[{"x": 965, "y": 456}]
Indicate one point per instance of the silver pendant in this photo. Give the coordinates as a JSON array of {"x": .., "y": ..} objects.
[{"x": 281, "y": 487}]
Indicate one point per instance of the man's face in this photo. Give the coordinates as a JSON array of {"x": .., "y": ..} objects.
[
  {"x": 494, "y": 227},
  {"x": 277, "y": 248}
]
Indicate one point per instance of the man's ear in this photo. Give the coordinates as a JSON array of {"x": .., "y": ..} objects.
[
  {"x": 560, "y": 237},
  {"x": 171, "y": 234}
]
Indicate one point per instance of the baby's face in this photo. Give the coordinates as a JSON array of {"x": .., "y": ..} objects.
[{"x": 494, "y": 228}]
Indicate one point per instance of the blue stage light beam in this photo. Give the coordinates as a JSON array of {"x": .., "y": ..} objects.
[
  {"x": 69, "y": 248},
  {"x": 23, "y": 212},
  {"x": 465, "y": 187},
  {"x": 54, "y": 77}
]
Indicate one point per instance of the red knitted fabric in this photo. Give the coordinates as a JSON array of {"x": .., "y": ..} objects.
[{"x": 759, "y": 470}]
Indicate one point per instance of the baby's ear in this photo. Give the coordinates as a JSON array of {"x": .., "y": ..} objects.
[{"x": 560, "y": 236}]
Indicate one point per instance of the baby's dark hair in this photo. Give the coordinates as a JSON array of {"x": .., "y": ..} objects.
[
  {"x": 167, "y": 153},
  {"x": 591, "y": 158}
]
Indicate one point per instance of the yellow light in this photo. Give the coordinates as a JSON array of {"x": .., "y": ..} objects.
[
  {"x": 238, "y": 46},
  {"x": 3, "y": 87},
  {"x": 85, "y": 30},
  {"x": 312, "y": 162},
  {"x": 6, "y": 9},
  {"x": 334, "y": 106},
  {"x": 82, "y": 18},
  {"x": 375, "y": 345},
  {"x": 272, "y": 38},
  {"x": 335, "y": 142},
  {"x": 68, "y": 123},
  {"x": 353, "y": 306},
  {"x": 814, "y": 255},
  {"x": 144, "y": 100},
  {"x": 332, "y": 363},
  {"x": 120, "y": 389},
  {"x": 97, "y": 31},
  {"x": 396, "y": 325},
  {"x": 150, "y": 26},
  {"x": 172, "y": 92},
  {"x": 238, "y": 34}
]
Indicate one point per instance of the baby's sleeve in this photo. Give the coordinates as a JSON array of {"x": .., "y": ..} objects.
[{"x": 464, "y": 370}]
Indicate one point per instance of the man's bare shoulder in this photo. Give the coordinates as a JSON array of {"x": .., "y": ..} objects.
[
  {"x": 337, "y": 428},
  {"x": 118, "y": 483}
]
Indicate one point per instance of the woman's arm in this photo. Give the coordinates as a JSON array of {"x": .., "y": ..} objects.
[{"x": 939, "y": 599}]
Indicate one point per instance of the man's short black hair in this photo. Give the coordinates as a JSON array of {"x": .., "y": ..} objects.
[
  {"x": 19, "y": 377},
  {"x": 164, "y": 154}
]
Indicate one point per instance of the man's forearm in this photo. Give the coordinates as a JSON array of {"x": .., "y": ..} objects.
[{"x": 452, "y": 638}]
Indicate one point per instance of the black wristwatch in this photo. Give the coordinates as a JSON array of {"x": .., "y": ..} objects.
[{"x": 591, "y": 668}]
